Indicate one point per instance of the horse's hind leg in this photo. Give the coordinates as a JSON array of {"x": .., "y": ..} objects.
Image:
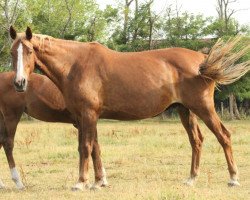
[
  {"x": 190, "y": 123},
  {"x": 8, "y": 145},
  {"x": 211, "y": 119}
]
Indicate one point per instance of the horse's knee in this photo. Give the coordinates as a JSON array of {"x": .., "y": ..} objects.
[{"x": 8, "y": 145}]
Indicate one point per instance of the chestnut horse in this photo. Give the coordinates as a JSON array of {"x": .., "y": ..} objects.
[
  {"x": 97, "y": 82},
  {"x": 42, "y": 100}
]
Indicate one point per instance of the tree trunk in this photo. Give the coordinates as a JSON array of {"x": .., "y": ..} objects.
[
  {"x": 225, "y": 14},
  {"x": 135, "y": 34},
  {"x": 235, "y": 109},
  {"x": 231, "y": 111},
  {"x": 150, "y": 41},
  {"x": 126, "y": 19},
  {"x": 151, "y": 25},
  {"x": 246, "y": 106},
  {"x": 222, "y": 109},
  {"x": 69, "y": 9}
]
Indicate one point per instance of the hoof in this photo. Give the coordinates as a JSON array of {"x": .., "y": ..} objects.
[
  {"x": 189, "y": 182},
  {"x": 22, "y": 187},
  {"x": 2, "y": 186},
  {"x": 95, "y": 187},
  {"x": 80, "y": 186},
  {"x": 99, "y": 184},
  {"x": 233, "y": 183}
]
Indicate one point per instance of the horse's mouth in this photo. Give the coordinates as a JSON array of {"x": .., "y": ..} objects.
[{"x": 20, "y": 89}]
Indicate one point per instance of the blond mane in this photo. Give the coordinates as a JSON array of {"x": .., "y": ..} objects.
[{"x": 42, "y": 38}]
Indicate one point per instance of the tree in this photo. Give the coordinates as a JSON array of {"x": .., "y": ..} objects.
[
  {"x": 225, "y": 14},
  {"x": 183, "y": 29},
  {"x": 125, "y": 34},
  {"x": 12, "y": 13},
  {"x": 226, "y": 25},
  {"x": 64, "y": 19}
]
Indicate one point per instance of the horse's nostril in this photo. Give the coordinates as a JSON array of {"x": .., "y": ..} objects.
[
  {"x": 19, "y": 83},
  {"x": 16, "y": 83},
  {"x": 23, "y": 81}
]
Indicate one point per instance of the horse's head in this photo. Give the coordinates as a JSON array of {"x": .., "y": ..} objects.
[{"x": 23, "y": 57}]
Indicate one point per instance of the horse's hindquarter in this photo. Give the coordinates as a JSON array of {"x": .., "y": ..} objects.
[
  {"x": 192, "y": 89},
  {"x": 137, "y": 85}
]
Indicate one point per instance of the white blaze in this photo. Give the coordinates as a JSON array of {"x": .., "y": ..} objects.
[{"x": 20, "y": 67}]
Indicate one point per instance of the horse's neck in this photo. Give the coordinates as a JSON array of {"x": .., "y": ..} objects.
[{"x": 55, "y": 59}]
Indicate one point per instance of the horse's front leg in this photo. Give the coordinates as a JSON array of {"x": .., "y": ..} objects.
[
  {"x": 2, "y": 186},
  {"x": 8, "y": 145},
  {"x": 2, "y": 134},
  {"x": 100, "y": 173},
  {"x": 86, "y": 139}
]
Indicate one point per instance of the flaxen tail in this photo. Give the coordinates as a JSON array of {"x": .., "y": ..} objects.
[{"x": 220, "y": 64}]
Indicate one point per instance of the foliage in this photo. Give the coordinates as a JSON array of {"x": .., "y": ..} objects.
[
  {"x": 241, "y": 88},
  {"x": 132, "y": 25}
]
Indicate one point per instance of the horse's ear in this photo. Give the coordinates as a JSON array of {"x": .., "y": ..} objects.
[
  {"x": 12, "y": 32},
  {"x": 28, "y": 33}
]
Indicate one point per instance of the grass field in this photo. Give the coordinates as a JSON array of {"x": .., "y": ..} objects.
[{"x": 143, "y": 160}]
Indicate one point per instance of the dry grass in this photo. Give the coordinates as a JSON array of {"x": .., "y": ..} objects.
[{"x": 144, "y": 160}]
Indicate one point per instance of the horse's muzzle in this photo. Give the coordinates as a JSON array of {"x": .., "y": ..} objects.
[{"x": 20, "y": 84}]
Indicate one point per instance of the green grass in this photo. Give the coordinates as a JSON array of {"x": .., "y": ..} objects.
[{"x": 143, "y": 160}]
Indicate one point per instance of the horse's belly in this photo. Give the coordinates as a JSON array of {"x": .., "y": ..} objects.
[
  {"x": 139, "y": 91},
  {"x": 119, "y": 115},
  {"x": 136, "y": 106}
]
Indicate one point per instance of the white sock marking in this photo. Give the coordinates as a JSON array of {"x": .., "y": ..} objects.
[
  {"x": 101, "y": 183},
  {"x": 16, "y": 178},
  {"x": 1, "y": 184},
  {"x": 104, "y": 178},
  {"x": 190, "y": 181}
]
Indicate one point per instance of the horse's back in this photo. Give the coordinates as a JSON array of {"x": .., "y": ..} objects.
[{"x": 183, "y": 60}]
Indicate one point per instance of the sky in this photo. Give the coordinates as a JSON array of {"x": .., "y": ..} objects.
[{"x": 205, "y": 7}]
